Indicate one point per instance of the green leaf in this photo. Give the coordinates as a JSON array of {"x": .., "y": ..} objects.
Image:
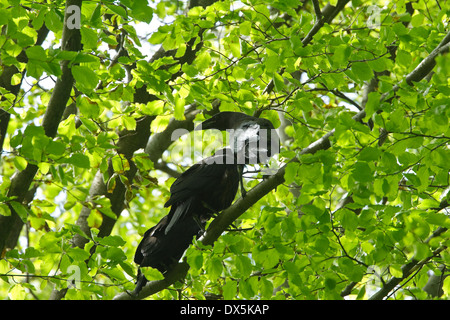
[
  {"x": 78, "y": 254},
  {"x": 272, "y": 258},
  {"x": 322, "y": 244},
  {"x": 179, "y": 108},
  {"x": 36, "y": 53},
  {"x": 141, "y": 11},
  {"x": 272, "y": 64},
  {"x": 16, "y": 79},
  {"x": 85, "y": 78},
  {"x": 330, "y": 283},
  {"x": 20, "y": 209},
  {"x": 403, "y": 58},
  {"x": 438, "y": 219},
  {"x": 278, "y": 81},
  {"x": 291, "y": 172},
  {"x": 4, "y": 16},
  {"x": 229, "y": 290},
  {"x": 56, "y": 148},
  {"x": 115, "y": 274},
  {"x": 349, "y": 220},
  {"x": 243, "y": 265},
  {"x": 118, "y": 10},
  {"x": 399, "y": 29},
  {"x": 247, "y": 287},
  {"x": 129, "y": 122},
  {"x": 4, "y": 210},
  {"x": 195, "y": 259},
  {"x": 266, "y": 288},
  {"x": 89, "y": 38},
  {"x": 203, "y": 61},
  {"x": 20, "y": 163},
  {"x": 79, "y": 160},
  {"x": 369, "y": 154},
  {"x": 362, "y": 172},
  {"x": 245, "y": 28},
  {"x": 232, "y": 43},
  {"x": 373, "y": 104},
  {"x": 115, "y": 254},
  {"x": 17, "y": 292},
  {"x": 214, "y": 268},
  {"x": 114, "y": 241},
  {"x": 152, "y": 274},
  {"x": 362, "y": 71},
  {"x": 54, "y": 21},
  {"x": 341, "y": 55},
  {"x": 88, "y": 108},
  {"x": 446, "y": 286}
]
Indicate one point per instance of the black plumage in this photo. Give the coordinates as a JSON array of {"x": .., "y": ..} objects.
[
  {"x": 210, "y": 184},
  {"x": 206, "y": 188},
  {"x": 160, "y": 250}
]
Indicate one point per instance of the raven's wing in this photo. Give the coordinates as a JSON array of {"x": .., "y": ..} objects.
[
  {"x": 197, "y": 180},
  {"x": 179, "y": 211},
  {"x": 199, "y": 190}
]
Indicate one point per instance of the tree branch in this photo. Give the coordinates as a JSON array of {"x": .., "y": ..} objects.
[
  {"x": 317, "y": 9},
  {"x": 21, "y": 181},
  {"x": 159, "y": 142},
  {"x": 427, "y": 64},
  {"x": 329, "y": 12},
  {"x": 408, "y": 269},
  {"x": 414, "y": 264}
]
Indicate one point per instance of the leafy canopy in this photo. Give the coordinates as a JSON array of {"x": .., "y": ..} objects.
[{"x": 348, "y": 220}]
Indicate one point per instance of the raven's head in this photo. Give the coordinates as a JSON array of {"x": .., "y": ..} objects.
[{"x": 252, "y": 139}]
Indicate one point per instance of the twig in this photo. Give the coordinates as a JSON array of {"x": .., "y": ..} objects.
[{"x": 317, "y": 9}]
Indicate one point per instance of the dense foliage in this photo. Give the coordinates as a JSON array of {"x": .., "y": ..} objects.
[{"x": 359, "y": 91}]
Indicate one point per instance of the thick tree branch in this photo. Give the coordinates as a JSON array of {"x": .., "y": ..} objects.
[
  {"x": 4, "y": 121},
  {"x": 317, "y": 9},
  {"x": 176, "y": 274},
  {"x": 5, "y": 82},
  {"x": 159, "y": 142},
  {"x": 21, "y": 181},
  {"x": 427, "y": 64}
]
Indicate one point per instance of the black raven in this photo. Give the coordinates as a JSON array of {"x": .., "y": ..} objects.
[{"x": 206, "y": 188}]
